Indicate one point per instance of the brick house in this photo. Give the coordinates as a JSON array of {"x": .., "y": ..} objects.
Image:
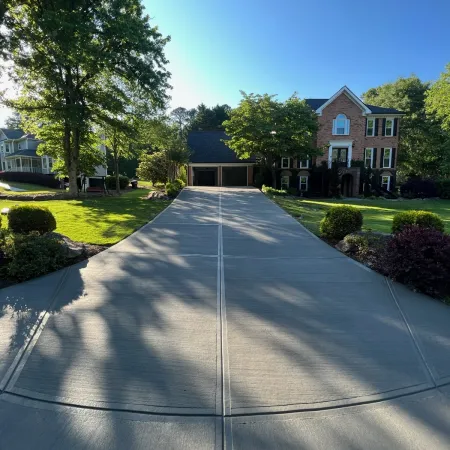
[{"x": 353, "y": 134}]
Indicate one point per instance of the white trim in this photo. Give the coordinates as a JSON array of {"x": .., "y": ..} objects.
[
  {"x": 288, "y": 165},
  {"x": 299, "y": 163},
  {"x": 374, "y": 125},
  {"x": 349, "y": 94},
  {"x": 340, "y": 144},
  {"x": 388, "y": 183},
  {"x": 383, "y": 115},
  {"x": 346, "y": 125},
  {"x": 371, "y": 157},
  {"x": 390, "y": 157},
  {"x": 300, "y": 182},
  {"x": 392, "y": 129}
]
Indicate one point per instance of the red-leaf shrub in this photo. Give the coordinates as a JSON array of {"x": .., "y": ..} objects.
[{"x": 420, "y": 257}]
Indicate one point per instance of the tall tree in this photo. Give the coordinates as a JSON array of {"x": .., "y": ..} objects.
[
  {"x": 75, "y": 61},
  {"x": 181, "y": 116},
  {"x": 424, "y": 145},
  {"x": 438, "y": 98},
  {"x": 267, "y": 128},
  {"x": 14, "y": 121}
]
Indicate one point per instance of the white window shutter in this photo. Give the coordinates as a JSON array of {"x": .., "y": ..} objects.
[
  {"x": 347, "y": 123},
  {"x": 334, "y": 126}
]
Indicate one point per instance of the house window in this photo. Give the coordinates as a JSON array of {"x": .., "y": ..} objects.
[
  {"x": 341, "y": 125},
  {"x": 303, "y": 164},
  {"x": 386, "y": 182},
  {"x": 6, "y": 148},
  {"x": 19, "y": 147},
  {"x": 389, "y": 127},
  {"x": 285, "y": 163},
  {"x": 387, "y": 157},
  {"x": 303, "y": 185},
  {"x": 285, "y": 182},
  {"x": 370, "y": 127},
  {"x": 368, "y": 157},
  {"x": 339, "y": 155}
]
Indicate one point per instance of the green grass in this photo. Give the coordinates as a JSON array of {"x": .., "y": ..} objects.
[
  {"x": 377, "y": 214},
  {"x": 30, "y": 188},
  {"x": 99, "y": 220}
]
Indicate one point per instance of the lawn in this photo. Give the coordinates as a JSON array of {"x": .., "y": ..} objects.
[
  {"x": 29, "y": 188},
  {"x": 377, "y": 214},
  {"x": 100, "y": 220}
]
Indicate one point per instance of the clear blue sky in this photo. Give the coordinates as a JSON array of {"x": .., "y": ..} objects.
[{"x": 313, "y": 47}]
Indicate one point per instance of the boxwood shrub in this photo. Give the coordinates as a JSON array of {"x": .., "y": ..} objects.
[
  {"x": 179, "y": 183},
  {"x": 423, "y": 219},
  {"x": 420, "y": 257},
  {"x": 272, "y": 191},
  {"x": 29, "y": 218},
  {"x": 340, "y": 221},
  {"x": 172, "y": 189},
  {"x": 31, "y": 255}
]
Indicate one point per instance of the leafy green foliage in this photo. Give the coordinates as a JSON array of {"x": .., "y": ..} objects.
[
  {"x": 29, "y": 218},
  {"x": 82, "y": 64},
  {"x": 153, "y": 167},
  {"x": 172, "y": 189},
  {"x": 419, "y": 188},
  {"x": 340, "y": 221},
  {"x": 420, "y": 257},
  {"x": 110, "y": 182},
  {"x": 438, "y": 98},
  {"x": 32, "y": 255},
  {"x": 272, "y": 191},
  {"x": 443, "y": 188},
  {"x": 422, "y": 219},
  {"x": 267, "y": 128},
  {"x": 425, "y": 146},
  {"x": 14, "y": 121},
  {"x": 180, "y": 183}
]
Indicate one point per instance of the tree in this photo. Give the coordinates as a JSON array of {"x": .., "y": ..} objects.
[
  {"x": 181, "y": 116},
  {"x": 264, "y": 127},
  {"x": 14, "y": 121},
  {"x": 438, "y": 98},
  {"x": 75, "y": 61},
  {"x": 425, "y": 146},
  {"x": 205, "y": 118},
  {"x": 153, "y": 167}
]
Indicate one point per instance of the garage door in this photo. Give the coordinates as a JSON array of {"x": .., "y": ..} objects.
[
  {"x": 205, "y": 176},
  {"x": 234, "y": 176}
]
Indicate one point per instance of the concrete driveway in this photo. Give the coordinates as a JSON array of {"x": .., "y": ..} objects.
[{"x": 222, "y": 324}]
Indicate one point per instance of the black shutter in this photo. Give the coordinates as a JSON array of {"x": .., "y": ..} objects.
[
  {"x": 374, "y": 159},
  {"x": 393, "y": 181},
  {"x": 291, "y": 163},
  {"x": 393, "y": 157},
  {"x": 384, "y": 128},
  {"x": 376, "y": 127},
  {"x": 310, "y": 163},
  {"x": 366, "y": 127},
  {"x": 381, "y": 158},
  {"x": 395, "y": 127}
]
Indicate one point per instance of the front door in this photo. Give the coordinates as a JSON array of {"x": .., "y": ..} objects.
[{"x": 340, "y": 155}]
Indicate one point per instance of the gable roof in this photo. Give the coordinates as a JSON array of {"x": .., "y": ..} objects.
[
  {"x": 25, "y": 152},
  {"x": 207, "y": 147},
  {"x": 12, "y": 134},
  {"x": 318, "y": 104}
]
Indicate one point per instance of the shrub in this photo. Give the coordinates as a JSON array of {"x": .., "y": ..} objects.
[
  {"x": 179, "y": 183},
  {"x": 417, "y": 187},
  {"x": 443, "y": 188},
  {"x": 110, "y": 182},
  {"x": 28, "y": 218},
  {"x": 423, "y": 219},
  {"x": 340, "y": 221},
  {"x": 182, "y": 175},
  {"x": 32, "y": 178},
  {"x": 172, "y": 189},
  {"x": 271, "y": 191},
  {"x": 420, "y": 257},
  {"x": 292, "y": 191},
  {"x": 32, "y": 255}
]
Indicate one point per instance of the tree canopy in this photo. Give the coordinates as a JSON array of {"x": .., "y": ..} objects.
[
  {"x": 76, "y": 62},
  {"x": 438, "y": 98},
  {"x": 267, "y": 128},
  {"x": 425, "y": 146}
]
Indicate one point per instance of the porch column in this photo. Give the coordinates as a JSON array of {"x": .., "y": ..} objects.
[
  {"x": 42, "y": 164},
  {"x": 20, "y": 159}
]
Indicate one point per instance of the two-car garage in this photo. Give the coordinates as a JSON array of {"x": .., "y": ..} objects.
[{"x": 212, "y": 163}]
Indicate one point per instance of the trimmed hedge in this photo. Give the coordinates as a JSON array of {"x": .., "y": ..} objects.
[
  {"x": 420, "y": 257},
  {"x": 340, "y": 221},
  {"x": 272, "y": 191},
  {"x": 32, "y": 255},
  {"x": 110, "y": 182},
  {"x": 32, "y": 178},
  {"x": 28, "y": 218},
  {"x": 422, "y": 219}
]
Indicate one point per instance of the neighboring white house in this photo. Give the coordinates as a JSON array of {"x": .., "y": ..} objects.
[{"x": 18, "y": 154}]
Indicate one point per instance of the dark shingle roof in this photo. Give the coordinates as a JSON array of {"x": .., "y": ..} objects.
[
  {"x": 316, "y": 103},
  {"x": 207, "y": 147},
  {"x": 13, "y": 134},
  {"x": 26, "y": 152}
]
